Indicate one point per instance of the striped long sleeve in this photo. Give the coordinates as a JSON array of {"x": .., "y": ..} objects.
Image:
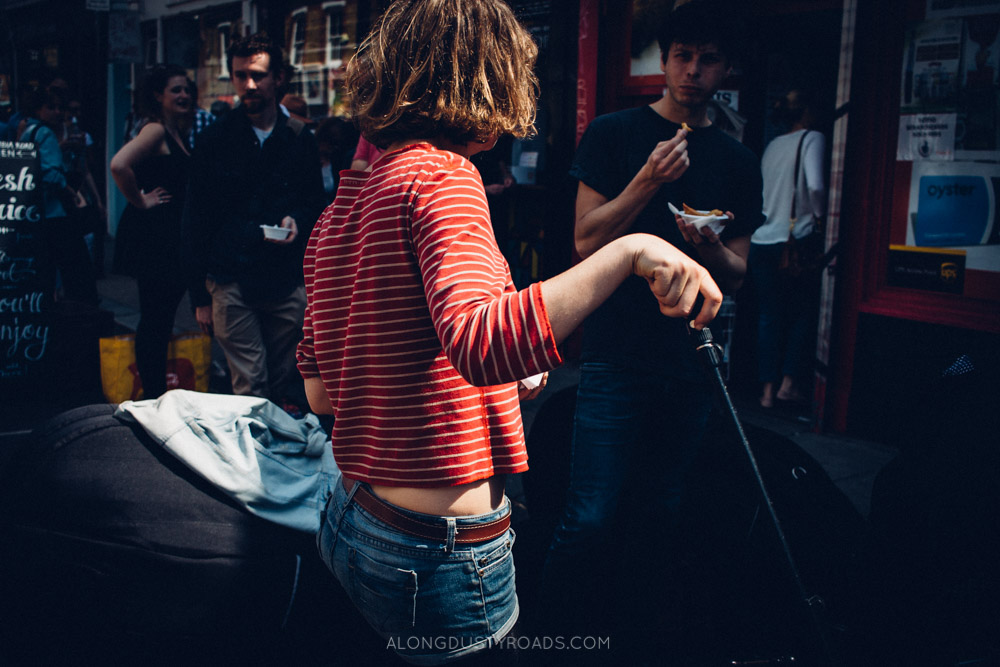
[{"x": 415, "y": 327}]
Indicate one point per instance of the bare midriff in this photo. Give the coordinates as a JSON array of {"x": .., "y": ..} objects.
[{"x": 470, "y": 499}]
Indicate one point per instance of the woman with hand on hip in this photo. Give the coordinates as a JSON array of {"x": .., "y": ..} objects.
[{"x": 151, "y": 171}]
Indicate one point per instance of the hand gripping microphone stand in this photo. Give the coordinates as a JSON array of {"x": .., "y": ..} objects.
[{"x": 711, "y": 354}]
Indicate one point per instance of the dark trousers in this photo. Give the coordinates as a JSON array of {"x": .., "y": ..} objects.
[
  {"x": 158, "y": 301},
  {"x": 635, "y": 436},
  {"x": 789, "y": 308}
]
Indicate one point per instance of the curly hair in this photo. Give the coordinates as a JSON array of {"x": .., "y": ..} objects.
[
  {"x": 154, "y": 83},
  {"x": 461, "y": 69}
]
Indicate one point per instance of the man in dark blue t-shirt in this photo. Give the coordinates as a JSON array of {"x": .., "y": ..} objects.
[{"x": 644, "y": 399}]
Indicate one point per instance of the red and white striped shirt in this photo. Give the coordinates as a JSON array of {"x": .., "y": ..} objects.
[{"x": 415, "y": 327}]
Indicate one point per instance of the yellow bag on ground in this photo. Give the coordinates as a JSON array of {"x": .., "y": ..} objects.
[{"x": 189, "y": 357}]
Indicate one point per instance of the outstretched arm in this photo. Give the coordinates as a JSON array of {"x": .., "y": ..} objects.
[
  {"x": 493, "y": 334},
  {"x": 675, "y": 280}
]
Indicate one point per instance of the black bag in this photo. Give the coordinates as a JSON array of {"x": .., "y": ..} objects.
[
  {"x": 115, "y": 550},
  {"x": 804, "y": 255}
]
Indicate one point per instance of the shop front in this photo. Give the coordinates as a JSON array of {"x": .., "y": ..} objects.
[
  {"x": 919, "y": 274},
  {"x": 914, "y": 168}
]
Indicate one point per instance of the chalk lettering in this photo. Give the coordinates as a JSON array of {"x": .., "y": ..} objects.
[
  {"x": 33, "y": 337},
  {"x": 16, "y": 269},
  {"x": 25, "y": 303},
  {"x": 15, "y": 211},
  {"x": 22, "y": 182}
]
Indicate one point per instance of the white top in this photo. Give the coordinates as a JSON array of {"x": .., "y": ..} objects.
[
  {"x": 777, "y": 167},
  {"x": 262, "y": 135}
]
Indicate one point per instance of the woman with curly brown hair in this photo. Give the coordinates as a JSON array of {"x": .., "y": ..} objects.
[{"x": 415, "y": 338}]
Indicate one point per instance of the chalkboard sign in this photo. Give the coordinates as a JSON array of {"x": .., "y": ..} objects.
[{"x": 26, "y": 274}]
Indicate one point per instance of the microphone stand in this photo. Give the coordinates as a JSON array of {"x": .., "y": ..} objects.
[{"x": 711, "y": 354}]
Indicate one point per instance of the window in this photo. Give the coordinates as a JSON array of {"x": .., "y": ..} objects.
[
  {"x": 298, "y": 36},
  {"x": 150, "y": 59},
  {"x": 336, "y": 37},
  {"x": 225, "y": 30}
]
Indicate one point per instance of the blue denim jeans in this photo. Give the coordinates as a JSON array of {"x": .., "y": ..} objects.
[
  {"x": 432, "y": 604},
  {"x": 634, "y": 438},
  {"x": 788, "y": 312}
]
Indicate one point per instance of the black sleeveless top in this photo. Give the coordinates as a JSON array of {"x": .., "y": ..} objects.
[{"x": 147, "y": 243}]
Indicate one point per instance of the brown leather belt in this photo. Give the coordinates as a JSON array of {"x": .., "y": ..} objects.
[{"x": 386, "y": 513}]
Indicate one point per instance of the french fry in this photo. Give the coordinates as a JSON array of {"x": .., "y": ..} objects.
[
  {"x": 692, "y": 211},
  {"x": 685, "y": 127}
]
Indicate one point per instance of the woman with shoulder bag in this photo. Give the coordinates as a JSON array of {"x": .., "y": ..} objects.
[
  {"x": 785, "y": 251},
  {"x": 151, "y": 171}
]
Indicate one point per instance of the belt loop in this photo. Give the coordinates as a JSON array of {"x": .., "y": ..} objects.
[
  {"x": 354, "y": 489},
  {"x": 351, "y": 487},
  {"x": 449, "y": 544},
  {"x": 347, "y": 503}
]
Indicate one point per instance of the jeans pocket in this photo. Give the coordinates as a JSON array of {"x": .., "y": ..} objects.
[
  {"x": 497, "y": 558},
  {"x": 496, "y": 583},
  {"x": 319, "y": 536},
  {"x": 385, "y": 595}
]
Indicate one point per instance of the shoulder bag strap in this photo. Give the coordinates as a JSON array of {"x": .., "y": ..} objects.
[
  {"x": 296, "y": 125},
  {"x": 795, "y": 185},
  {"x": 32, "y": 130}
]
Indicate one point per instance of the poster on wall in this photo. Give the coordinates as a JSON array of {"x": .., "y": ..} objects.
[
  {"x": 953, "y": 205},
  {"x": 949, "y": 92},
  {"x": 929, "y": 96},
  {"x": 978, "y": 136},
  {"x": 124, "y": 37},
  {"x": 926, "y": 136},
  {"x": 25, "y": 274}
]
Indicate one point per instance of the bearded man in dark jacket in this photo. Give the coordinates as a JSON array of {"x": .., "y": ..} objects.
[{"x": 254, "y": 167}]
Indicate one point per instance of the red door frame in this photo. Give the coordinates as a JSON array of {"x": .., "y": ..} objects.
[{"x": 875, "y": 201}]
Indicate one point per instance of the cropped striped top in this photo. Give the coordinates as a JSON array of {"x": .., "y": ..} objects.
[{"x": 415, "y": 327}]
